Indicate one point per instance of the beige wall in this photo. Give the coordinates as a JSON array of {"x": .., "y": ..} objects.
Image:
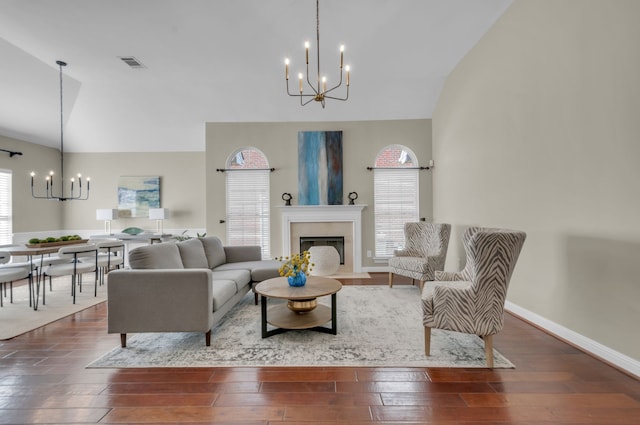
[
  {"x": 31, "y": 214},
  {"x": 182, "y": 188},
  {"x": 361, "y": 142},
  {"x": 537, "y": 129}
]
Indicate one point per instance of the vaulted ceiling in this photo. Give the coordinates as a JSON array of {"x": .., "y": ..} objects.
[{"x": 218, "y": 61}]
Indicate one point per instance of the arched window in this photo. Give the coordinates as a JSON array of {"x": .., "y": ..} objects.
[
  {"x": 395, "y": 191},
  {"x": 247, "y": 193}
]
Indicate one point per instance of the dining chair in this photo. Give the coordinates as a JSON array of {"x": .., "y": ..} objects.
[
  {"x": 75, "y": 267},
  {"x": 8, "y": 274},
  {"x": 110, "y": 256}
]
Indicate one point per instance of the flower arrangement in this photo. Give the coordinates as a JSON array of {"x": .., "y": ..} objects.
[{"x": 296, "y": 264}]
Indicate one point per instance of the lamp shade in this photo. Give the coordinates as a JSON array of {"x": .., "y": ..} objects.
[
  {"x": 158, "y": 213},
  {"x": 106, "y": 214}
]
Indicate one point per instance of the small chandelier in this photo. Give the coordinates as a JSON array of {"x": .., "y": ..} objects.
[
  {"x": 49, "y": 189},
  {"x": 319, "y": 92}
]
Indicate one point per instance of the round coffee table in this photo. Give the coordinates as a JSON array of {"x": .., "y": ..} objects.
[{"x": 301, "y": 310}]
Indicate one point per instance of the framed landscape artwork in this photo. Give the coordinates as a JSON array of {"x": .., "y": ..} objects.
[
  {"x": 136, "y": 194},
  {"x": 320, "y": 167}
]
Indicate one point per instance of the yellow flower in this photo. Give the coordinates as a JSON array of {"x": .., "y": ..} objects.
[{"x": 294, "y": 264}]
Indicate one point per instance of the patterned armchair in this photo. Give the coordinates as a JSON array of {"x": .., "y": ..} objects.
[
  {"x": 472, "y": 301},
  {"x": 425, "y": 251}
]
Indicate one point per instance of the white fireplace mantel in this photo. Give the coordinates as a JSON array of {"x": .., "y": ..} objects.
[{"x": 325, "y": 214}]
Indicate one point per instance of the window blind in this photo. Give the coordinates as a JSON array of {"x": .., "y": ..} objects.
[
  {"x": 6, "y": 221},
  {"x": 395, "y": 203},
  {"x": 247, "y": 196}
]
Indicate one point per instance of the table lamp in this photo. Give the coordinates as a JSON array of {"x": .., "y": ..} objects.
[
  {"x": 107, "y": 215},
  {"x": 158, "y": 214}
]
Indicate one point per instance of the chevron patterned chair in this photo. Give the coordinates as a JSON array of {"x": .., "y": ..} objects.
[
  {"x": 425, "y": 251},
  {"x": 472, "y": 300}
]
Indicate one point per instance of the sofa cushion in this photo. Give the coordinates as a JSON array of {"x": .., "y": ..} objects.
[
  {"x": 223, "y": 291},
  {"x": 157, "y": 256},
  {"x": 214, "y": 251},
  {"x": 236, "y": 254},
  {"x": 260, "y": 270},
  {"x": 192, "y": 254},
  {"x": 242, "y": 278}
]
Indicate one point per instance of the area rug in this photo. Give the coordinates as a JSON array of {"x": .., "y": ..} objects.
[
  {"x": 19, "y": 318},
  {"x": 378, "y": 326}
]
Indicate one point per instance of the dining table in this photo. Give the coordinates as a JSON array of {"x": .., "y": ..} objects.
[{"x": 31, "y": 253}]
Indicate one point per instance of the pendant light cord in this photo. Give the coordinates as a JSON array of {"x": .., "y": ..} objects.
[{"x": 61, "y": 64}]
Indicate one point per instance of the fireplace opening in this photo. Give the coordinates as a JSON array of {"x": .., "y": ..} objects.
[{"x": 337, "y": 242}]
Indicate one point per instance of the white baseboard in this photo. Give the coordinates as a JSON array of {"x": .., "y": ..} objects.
[{"x": 619, "y": 360}]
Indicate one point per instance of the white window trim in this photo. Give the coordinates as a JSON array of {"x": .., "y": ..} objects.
[{"x": 6, "y": 207}]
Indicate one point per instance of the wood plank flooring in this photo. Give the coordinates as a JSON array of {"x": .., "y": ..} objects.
[{"x": 43, "y": 380}]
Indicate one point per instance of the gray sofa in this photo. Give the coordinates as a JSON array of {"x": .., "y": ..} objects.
[{"x": 182, "y": 287}]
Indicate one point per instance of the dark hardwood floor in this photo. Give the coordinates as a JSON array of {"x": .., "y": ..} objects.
[{"x": 43, "y": 380}]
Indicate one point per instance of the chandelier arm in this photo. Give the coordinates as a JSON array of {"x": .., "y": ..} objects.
[
  {"x": 60, "y": 65},
  {"x": 334, "y": 87},
  {"x": 311, "y": 85},
  {"x": 288, "y": 92},
  {"x": 298, "y": 94},
  {"x": 339, "y": 98},
  {"x": 308, "y": 101}
]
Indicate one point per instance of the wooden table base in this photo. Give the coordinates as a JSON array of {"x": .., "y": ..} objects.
[{"x": 285, "y": 320}]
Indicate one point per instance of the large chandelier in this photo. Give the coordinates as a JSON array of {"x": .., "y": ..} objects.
[
  {"x": 50, "y": 192},
  {"x": 319, "y": 91}
]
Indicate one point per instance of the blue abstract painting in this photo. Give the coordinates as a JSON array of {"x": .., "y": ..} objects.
[
  {"x": 137, "y": 194},
  {"x": 320, "y": 167}
]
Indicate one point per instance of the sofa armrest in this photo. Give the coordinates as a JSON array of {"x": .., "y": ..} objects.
[
  {"x": 169, "y": 300},
  {"x": 236, "y": 254}
]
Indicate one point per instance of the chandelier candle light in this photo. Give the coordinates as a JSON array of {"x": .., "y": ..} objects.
[
  {"x": 49, "y": 189},
  {"x": 319, "y": 91}
]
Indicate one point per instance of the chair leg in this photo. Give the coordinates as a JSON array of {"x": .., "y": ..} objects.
[
  {"x": 488, "y": 350},
  {"x": 207, "y": 338},
  {"x": 427, "y": 341},
  {"x": 390, "y": 280},
  {"x": 123, "y": 340},
  {"x": 73, "y": 287}
]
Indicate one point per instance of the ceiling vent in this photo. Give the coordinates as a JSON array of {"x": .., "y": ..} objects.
[{"x": 132, "y": 62}]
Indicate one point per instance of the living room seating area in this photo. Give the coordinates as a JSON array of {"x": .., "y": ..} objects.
[{"x": 194, "y": 284}]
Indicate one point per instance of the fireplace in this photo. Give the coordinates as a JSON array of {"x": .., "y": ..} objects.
[
  {"x": 337, "y": 242},
  {"x": 325, "y": 221}
]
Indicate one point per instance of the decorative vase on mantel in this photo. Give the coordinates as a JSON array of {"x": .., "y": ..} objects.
[{"x": 298, "y": 279}]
